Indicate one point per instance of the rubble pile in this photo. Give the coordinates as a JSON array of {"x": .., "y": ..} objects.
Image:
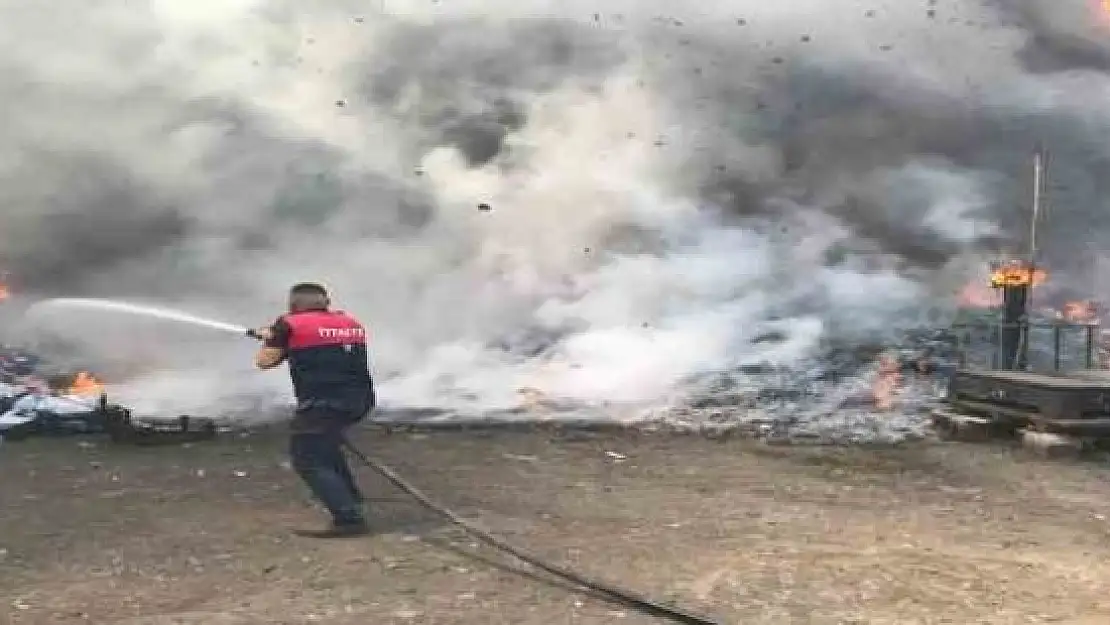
[
  {"x": 847, "y": 394},
  {"x": 37, "y": 398},
  {"x": 868, "y": 393},
  {"x": 795, "y": 408},
  {"x": 857, "y": 393}
]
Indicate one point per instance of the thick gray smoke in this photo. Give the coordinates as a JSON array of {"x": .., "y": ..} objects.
[{"x": 596, "y": 201}]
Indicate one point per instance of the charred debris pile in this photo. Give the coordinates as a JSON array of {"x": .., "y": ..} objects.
[
  {"x": 41, "y": 398},
  {"x": 846, "y": 393}
]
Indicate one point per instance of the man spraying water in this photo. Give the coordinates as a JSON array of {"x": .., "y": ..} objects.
[{"x": 329, "y": 365}]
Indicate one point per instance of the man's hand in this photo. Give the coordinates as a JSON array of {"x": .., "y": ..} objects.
[{"x": 274, "y": 339}]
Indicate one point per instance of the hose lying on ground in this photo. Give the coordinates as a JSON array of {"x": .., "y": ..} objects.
[{"x": 613, "y": 594}]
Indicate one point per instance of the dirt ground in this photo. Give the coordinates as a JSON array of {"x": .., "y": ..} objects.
[{"x": 930, "y": 533}]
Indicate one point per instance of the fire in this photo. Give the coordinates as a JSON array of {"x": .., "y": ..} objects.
[
  {"x": 5, "y": 292},
  {"x": 1017, "y": 274},
  {"x": 1102, "y": 8},
  {"x": 1079, "y": 311},
  {"x": 85, "y": 383},
  {"x": 888, "y": 381},
  {"x": 976, "y": 295}
]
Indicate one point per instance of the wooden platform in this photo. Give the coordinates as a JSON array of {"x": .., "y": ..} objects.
[
  {"x": 953, "y": 426},
  {"x": 1051, "y": 415},
  {"x": 1077, "y": 405},
  {"x": 1081, "y": 380}
]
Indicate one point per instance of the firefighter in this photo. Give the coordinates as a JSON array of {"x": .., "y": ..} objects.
[{"x": 328, "y": 361}]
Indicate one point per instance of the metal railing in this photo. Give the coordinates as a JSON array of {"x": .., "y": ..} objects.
[{"x": 1054, "y": 347}]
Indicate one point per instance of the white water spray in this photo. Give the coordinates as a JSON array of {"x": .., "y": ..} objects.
[{"x": 154, "y": 312}]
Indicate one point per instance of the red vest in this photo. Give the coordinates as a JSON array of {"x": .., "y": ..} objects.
[
  {"x": 323, "y": 328},
  {"x": 329, "y": 361}
]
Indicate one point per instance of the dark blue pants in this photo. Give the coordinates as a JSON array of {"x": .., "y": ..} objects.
[{"x": 318, "y": 458}]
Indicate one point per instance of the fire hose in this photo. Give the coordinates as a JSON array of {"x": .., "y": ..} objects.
[{"x": 600, "y": 589}]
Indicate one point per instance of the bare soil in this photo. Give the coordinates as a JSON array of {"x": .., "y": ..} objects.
[{"x": 929, "y": 533}]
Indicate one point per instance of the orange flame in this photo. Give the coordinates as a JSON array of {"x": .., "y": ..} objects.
[
  {"x": 1079, "y": 311},
  {"x": 977, "y": 295},
  {"x": 84, "y": 383},
  {"x": 888, "y": 381},
  {"x": 5, "y": 292},
  {"x": 1017, "y": 274}
]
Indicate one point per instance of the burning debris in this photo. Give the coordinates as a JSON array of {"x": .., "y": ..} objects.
[
  {"x": 84, "y": 384},
  {"x": 1080, "y": 312},
  {"x": 34, "y": 407},
  {"x": 864, "y": 394},
  {"x": 888, "y": 383},
  {"x": 36, "y": 401}
]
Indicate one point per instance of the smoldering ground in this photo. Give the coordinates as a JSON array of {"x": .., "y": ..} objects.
[{"x": 663, "y": 185}]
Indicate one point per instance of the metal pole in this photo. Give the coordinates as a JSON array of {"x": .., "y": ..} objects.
[
  {"x": 1090, "y": 346},
  {"x": 1056, "y": 348},
  {"x": 1038, "y": 185},
  {"x": 997, "y": 355}
]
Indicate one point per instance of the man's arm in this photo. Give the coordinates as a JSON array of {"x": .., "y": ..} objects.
[{"x": 275, "y": 345}]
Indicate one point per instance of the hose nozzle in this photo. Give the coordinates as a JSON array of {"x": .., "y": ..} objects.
[{"x": 253, "y": 334}]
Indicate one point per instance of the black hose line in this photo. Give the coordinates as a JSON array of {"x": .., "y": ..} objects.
[{"x": 609, "y": 592}]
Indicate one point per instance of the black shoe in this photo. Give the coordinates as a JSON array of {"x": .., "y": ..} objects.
[{"x": 338, "y": 530}]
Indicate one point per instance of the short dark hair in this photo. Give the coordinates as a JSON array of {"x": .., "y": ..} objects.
[
  {"x": 308, "y": 288},
  {"x": 308, "y": 296}
]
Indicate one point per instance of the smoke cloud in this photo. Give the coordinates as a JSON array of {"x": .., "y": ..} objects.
[{"x": 595, "y": 203}]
